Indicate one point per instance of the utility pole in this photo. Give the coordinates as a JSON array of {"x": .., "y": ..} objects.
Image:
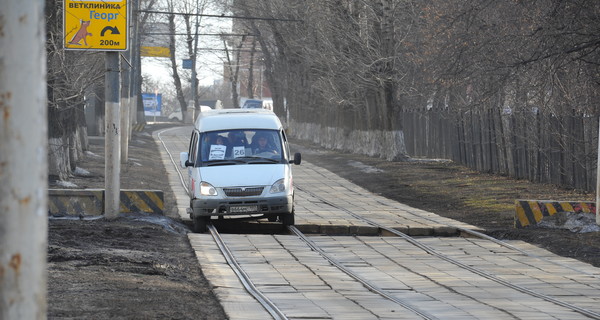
[
  {"x": 598, "y": 178},
  {"x": 194, "y": 74},
  {"x": 125, "y": 109},
  {"x": 112, "y": 150},
  {"x": 136, "y": 65},
  {"x": 23, "y": 161}
]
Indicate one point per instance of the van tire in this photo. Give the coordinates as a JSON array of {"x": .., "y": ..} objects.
[
  {"x": 287, "y": 219},
  {"x": 199, "y": 224}
]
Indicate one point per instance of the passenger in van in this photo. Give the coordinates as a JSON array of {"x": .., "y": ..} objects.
[
  {"x": 220, "y": 141},
  {"x": 213, "y": 149},
  {"x": 261, "y": 144},
  {"x": 237, "y": 143},
  {"x": 237, "y": 138}
]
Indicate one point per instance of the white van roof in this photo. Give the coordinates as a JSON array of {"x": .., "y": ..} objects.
[{"x": 225, "y": 119}]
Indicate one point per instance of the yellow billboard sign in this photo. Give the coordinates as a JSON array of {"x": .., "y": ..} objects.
[
  {"x": 155, "y": 52},
  {"x": 96, "y": 25},
  {"x": 156, "y": 40}
]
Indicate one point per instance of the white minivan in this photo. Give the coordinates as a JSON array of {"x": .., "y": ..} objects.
[{"x": 239, "y": 164}]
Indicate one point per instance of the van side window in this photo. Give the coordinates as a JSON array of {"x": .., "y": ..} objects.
[
  {"x": 193, "y": 147},
  {"x": 286, "y": 151}
]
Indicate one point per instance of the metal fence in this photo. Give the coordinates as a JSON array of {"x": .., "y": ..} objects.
[{"x": 525, "y": 145}]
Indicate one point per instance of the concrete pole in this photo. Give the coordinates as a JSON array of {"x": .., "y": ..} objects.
[
  {"x": 23, "y": 161},
  {"x": 125, "y": 109},
  {"x": 598, "y": 178},
  {"x": 112, "y": 150},
  {"x": 133, "y": 72},
  {"x": 137, "y": 111}
]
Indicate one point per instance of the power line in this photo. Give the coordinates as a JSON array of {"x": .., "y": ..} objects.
[
  {"x": 230, "y": 50},
  {"x": 199, "y": 34},
  {"x": 219, "y": 16}
]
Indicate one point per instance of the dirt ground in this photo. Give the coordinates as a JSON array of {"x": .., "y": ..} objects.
[{"x": 142, "y": 267}]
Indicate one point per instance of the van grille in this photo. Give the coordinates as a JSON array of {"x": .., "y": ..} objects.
[{"x": 243, "y": 192}]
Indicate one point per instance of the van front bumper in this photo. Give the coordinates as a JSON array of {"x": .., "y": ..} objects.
[{"x": 206, "y": 207}]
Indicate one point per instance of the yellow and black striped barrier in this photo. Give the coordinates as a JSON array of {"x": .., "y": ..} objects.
[
  {"x": 139, "y": 127},
  {"x": 150, "y": 201},
  {"x": 88, "y": 202},
  {"x": 531, "y": 212},
  {"x": 76, "y": 202}
]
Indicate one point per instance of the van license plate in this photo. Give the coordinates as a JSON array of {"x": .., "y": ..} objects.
[{"x": 243, "y": 209}]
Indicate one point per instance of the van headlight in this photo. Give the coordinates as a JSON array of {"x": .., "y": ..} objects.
[
  {"x": 278, "y": 186},
  {"x": 206, "y": 189}
]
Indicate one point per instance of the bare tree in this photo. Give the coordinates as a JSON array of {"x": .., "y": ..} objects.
[
  {"x": 232, "y": 65},
  {"x": 340, "y": 61},
  {"x": 70, "y": 74},
  {"x": 173, "y": 59},
  {"x": 351, "y": 69}
]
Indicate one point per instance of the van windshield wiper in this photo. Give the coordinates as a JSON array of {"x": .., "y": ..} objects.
[
  {"x": 261, "y": 160},
  {"x": 223, "y": 162}
]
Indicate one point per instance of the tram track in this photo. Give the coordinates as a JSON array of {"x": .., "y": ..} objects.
[
  {"x": 431, "y": 251},
  {"x": 246, "y": 281},
  {"x": 470, "y": 232},
  {"x": 272, "y": 309},
  {"x": 267, "y": 304}
]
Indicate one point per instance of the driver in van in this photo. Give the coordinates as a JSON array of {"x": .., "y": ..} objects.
[{"x": 262, "y": 144}]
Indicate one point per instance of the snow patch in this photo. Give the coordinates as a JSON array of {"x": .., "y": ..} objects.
[
  {"x": 65, "y": 184},
  {"x": 572, "y": 221},
  {"x": 423, "y": 160},
  {"x": 363, "y": 167},
  {"x": 91, "y": 154},
  {"x": 81, "y": 172}
]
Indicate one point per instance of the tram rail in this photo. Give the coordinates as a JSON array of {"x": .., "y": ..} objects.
[
  {"x": 429, "y": 250},
  {"x": 276, "y": 313}
]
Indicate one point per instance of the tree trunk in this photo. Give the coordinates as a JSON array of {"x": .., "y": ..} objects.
[{"x": 176, "y": 78}]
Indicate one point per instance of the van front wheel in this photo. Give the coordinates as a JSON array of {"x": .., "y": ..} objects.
[
  {"x": 199, "y": 224},
  {"x": 287, "y": 219}
]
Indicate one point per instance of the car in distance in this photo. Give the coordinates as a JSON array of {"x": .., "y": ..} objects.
[{"x": 252, "y": 104}]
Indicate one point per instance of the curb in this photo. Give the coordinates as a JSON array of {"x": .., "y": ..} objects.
[
  {"x": 531, "y": 212},
  {"x": 91, "y": 201}
]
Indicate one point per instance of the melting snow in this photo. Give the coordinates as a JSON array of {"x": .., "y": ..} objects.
[
  {"x": 81, "y": 172},
  {"x": 574, "y": 222},
  {"x": 363, "y": 167},
  {"x": 65, "y": 184},
  {"x": 91, "y": 154}
]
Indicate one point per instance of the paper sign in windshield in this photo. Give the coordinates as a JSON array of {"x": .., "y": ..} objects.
[
  {"x": 239, "y": 152},
  {"x": 217, "y": 152}
]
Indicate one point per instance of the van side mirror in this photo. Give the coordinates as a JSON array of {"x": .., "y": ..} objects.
[
  {"x": 183, "y": 160},
  {"x": 297, "y": 158}
]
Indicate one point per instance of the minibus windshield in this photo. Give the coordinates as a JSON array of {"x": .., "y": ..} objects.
[{"x": 241, "y": 145}]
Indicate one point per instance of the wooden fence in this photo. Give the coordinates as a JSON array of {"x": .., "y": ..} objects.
[{"x": 524, "y": 145}]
